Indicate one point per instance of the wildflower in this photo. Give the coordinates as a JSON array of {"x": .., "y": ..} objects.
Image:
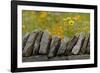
[
  {"x": 58, "y": 31},
  {"x": 71, "y": 22},
  {"x": 65, "y": 21},
  {"x": 68, "y": 20},
  {"x": 43, "y": 14}
]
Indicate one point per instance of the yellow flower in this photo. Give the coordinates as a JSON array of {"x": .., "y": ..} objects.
[
  {"x": 58, "y": 31},
  {"x": 71, "y": 22},
  {"x": 67, "y": 20},
  {"x": 43, "y": 14}
]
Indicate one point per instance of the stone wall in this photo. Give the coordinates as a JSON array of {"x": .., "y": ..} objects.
[{"x": 42, "y": 46}]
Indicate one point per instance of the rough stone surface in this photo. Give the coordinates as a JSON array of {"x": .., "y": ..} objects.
[
  {"x": 41, "y": 46},
  {"x": 24, "y": 40},
  {"x": 30, "y": 42},
  {"x": 35, "y": 58},
  {"x": 45, "y": 42},
  {"x": 38, "y": 58},
  {"x": 88, "y": 47},
  {"x": 37, "y": 43},
  {"x": 58, "y": 58},
  {"x": 85, "y": 44},
  {"x": 78, "y": 45},
  {"x": 71, "y": 44},
  {"x": 63, "y": 46},
  {"x": 78, "y": 57},
  {"x": 54, "y": 46}
]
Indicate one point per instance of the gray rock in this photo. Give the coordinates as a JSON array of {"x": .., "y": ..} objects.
[
  {"x": 63, "y": 46},
  {"x": 71, "y": 44},
  {"x": 78, "y": 45},
  {"x": 35, "y": 58},
  {"x": 78, "y": 57},
  {"x": 54, "y": 46},
  {"x": 24, "y": 39},
  {"x": 38, "y": 58},
  {"x": 37, "y": 43},
  {"x": 45, "y": 42},
  {"x": 30, "y": 42},
  {"x": 84, "y": 46},
  {"x": 88, "y": 47},
  {"x": 58, "y": 58}
]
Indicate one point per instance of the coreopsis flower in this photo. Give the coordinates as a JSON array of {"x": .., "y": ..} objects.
[
  {"x": 71, "y": 22},
  {"x": 68, "y": 21},
  {"x": 65, "y": 22}
]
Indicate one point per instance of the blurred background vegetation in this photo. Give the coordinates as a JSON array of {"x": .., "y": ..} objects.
[{"x": 58, "y": 23}]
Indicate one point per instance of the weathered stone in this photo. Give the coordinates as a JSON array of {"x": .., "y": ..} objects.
[
  {"x": 37, "y": 43},
  {"x": 24, "y": 40},
  {"x": 78, "y": 57},
  {"x": 88, "y": 47},
  {"x": 38, "y": 58},
  {"x": 71, "y": 44},
  {"x": 47, "y": 48},
  {"x": 45, "y": 42},
  {"x": 78, "y": 45},
  {"x": 28, "y": 47},
  {"x": 54, "y": 46},
  {"x": 58, "y": 58},
  {"x": 84, "y": 46},
  {"x": 63, "y": 46},
  {"x": 35, "y": 58}
]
